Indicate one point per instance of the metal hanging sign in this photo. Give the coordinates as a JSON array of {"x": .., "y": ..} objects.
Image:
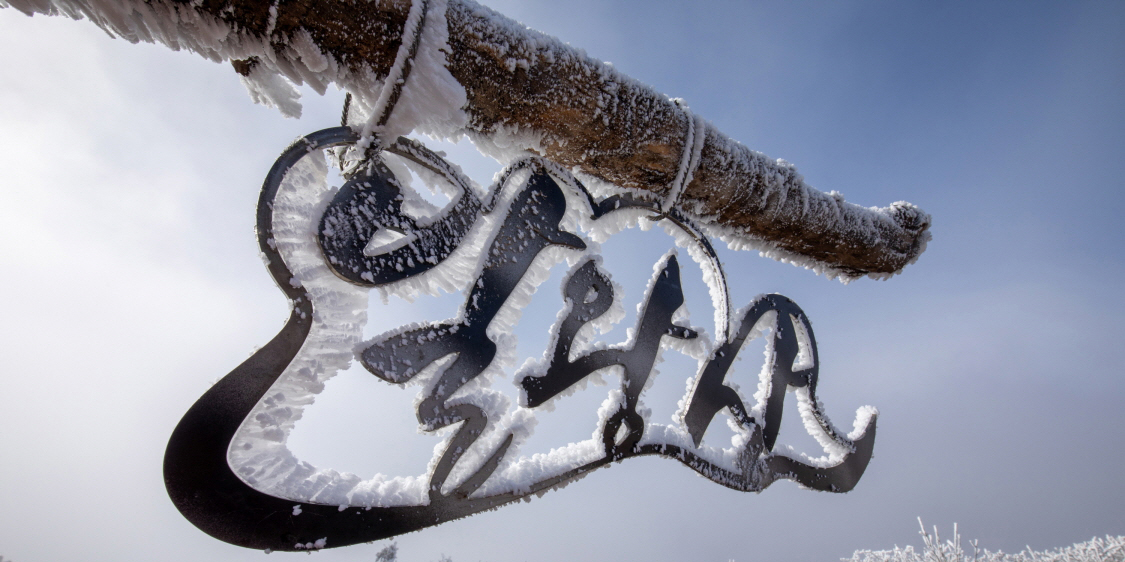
[{"x": 227, "y": 468}]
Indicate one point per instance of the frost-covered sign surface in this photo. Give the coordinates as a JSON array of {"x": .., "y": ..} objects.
[{"x": 229, "y": 470}]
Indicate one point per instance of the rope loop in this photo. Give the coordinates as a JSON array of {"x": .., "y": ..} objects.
[
  {"x": 372, "y": 137},
  {"x": 694, "y": 137}
]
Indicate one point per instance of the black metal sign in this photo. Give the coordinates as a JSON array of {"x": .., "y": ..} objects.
[{"x": 234, "y": 505}]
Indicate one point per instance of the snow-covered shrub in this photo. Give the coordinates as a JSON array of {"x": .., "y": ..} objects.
[
  {"x": 388, "y": 554},
  {"x": 1109, "y": 549}
]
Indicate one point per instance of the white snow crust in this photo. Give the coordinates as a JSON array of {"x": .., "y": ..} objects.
[{"x": 431, "y": 101}]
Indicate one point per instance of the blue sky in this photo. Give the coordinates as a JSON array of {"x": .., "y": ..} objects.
[{"x": 130, "y": 173}]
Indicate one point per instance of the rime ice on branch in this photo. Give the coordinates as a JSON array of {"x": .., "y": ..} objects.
[{"x": 512, "y": 89}]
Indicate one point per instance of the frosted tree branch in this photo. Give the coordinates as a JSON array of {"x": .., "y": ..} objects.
[{"x": 510, "y": 88}]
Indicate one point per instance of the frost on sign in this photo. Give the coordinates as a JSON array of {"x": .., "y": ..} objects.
[{"x": 228, "y": 468}]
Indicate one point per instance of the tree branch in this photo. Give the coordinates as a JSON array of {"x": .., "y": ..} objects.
[{"x": 577, "y": 111}]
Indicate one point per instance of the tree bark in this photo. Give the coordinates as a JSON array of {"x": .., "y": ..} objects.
[{"x": 589, "y": 116}]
